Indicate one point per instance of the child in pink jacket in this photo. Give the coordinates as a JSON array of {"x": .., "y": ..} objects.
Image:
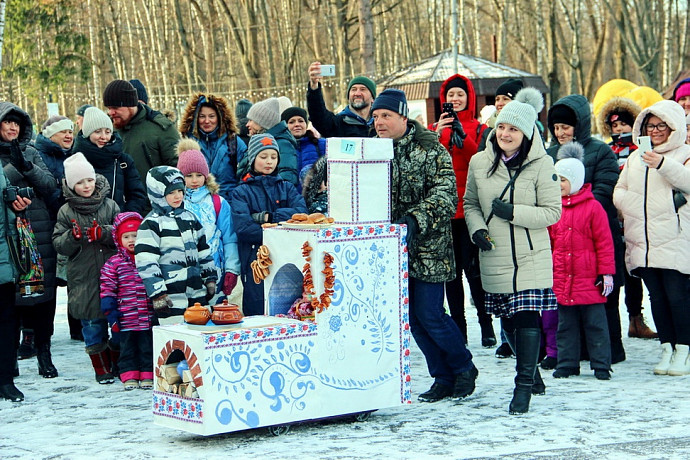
[
  {"x": 583, "y": 268},
  {"x": 127, "y": 307}
]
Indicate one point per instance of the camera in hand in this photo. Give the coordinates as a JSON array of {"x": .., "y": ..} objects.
[
  {"x": 448, "y": 108},
  {"x": 12, "y": 192}
]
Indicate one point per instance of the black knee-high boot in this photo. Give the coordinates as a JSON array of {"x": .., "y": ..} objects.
[
  {"x": 539, "y": 387},
  {"x": 527, "y": 342}
]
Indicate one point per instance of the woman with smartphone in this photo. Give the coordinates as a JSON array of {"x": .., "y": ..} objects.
[
  {"x": 460, "y": 133},
  {"x": 651, "y": 193}
]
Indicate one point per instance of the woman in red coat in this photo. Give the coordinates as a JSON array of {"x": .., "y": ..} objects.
[
  {"x": 583, "y": 269},
  {"x": 460, "y": 133}
]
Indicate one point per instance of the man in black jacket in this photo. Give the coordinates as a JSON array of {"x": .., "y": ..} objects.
[{"x": 353, "y": 121}]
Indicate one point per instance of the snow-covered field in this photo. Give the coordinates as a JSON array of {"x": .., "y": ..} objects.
[{"x": 634, "y": 415}]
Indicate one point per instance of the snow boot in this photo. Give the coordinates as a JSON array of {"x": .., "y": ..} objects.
[
  {"x": 100, "y": 359},
  {"x": 437, "y": 392},
  {"x": 26, "y": 348},
  {"x": 504, "y": 351},
  {"x": 639, "y": 329},
  {"x": 549, "y": 363},
  {"x": 666, "y": 355},
  {"x": 45, "y": 362},
  {"x": 465, "y": 383},
  {"x": 539, "y": 388},
  {"x": 680, "y": 364},
  {"x": 565, "y": 372},
  {"x": 10, "y": 392},
  {"x": 527, "y": 343}
]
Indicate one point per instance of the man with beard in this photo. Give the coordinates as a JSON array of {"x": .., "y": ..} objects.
[
  {"x": 353, "y": 121},
  {"x": 148, "y": 136}
]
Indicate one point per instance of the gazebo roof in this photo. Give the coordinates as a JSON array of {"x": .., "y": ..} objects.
[{"x": 423, "y": 79}]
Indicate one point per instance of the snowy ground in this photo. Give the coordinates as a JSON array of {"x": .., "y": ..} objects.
[{"x": 634, "y": 415}]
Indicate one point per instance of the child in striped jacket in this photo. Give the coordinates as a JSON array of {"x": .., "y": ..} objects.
[{"x": 127, "y": 307}]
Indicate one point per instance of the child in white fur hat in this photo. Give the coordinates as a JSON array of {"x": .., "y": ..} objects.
[
  {"x": 583, "y": 268},
  {"x": 83, "y": 232}
]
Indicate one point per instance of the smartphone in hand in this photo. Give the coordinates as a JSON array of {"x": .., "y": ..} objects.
[
  {"x": 327, "y": 70},
  {"x": 644, "y": 144}
]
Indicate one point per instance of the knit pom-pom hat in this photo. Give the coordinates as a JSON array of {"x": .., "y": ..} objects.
[
  {"x": 77, "y": 167},
  {"x": 94, "y": 119},
  {"x": 265, "y": 113},
  {"x": 522, "y": 111},
  {"x": 190, "y": 159},
  {"x": 570, "y": 166}
]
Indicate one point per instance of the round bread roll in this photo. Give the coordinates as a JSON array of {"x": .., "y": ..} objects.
[
  {"x": 300, "y": 217},
  {"x": 317, "y": 218}
]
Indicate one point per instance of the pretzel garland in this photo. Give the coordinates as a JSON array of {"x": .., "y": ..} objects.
[
  {"x": 260, "y": 265},
  {"x": 319, "y": 304}
]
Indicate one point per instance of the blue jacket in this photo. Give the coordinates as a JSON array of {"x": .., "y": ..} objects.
[
  {"x": 118, "y": 168},
  {"x": 53, "y": 156},
  {"x": 7, "y": 270},
  {"x": 307, "y": 154},
  {"x": 222, "y": 156}
]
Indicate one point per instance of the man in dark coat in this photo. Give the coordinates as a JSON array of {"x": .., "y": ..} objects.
[{"x": 353, "y": 121}]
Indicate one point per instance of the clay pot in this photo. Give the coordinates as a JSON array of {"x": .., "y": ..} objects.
[
  {"x": 197, "y": 314},
  {"x": 226, "y": 313}
]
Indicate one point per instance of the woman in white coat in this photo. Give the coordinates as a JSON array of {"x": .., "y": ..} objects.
[{"x": 651, "y": 195}]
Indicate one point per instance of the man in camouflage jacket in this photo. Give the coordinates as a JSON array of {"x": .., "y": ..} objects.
[{"x": 424, "y": 198}]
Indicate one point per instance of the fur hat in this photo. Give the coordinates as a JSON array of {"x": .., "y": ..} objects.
[
  {"x": 95, "y": 119},
  {"x": 265, "y": 113},
  {"x": 190, "y": 159},
  {"x": 522, "y": 111},
  {"x": 391, "y": 99},
  {"x": 77, "y": 168},
  {"x": 570, "y": 166},
  {"x": 293, "y": 112},
  {"x": 509, "y": 88},
  {"x": 362, "y": 80},
  {"x": 259, "y": 143},
  {"x": 55, "y": 124},
  {"x": 120, "y": 93},
  {"x": 142, "y": 95}
]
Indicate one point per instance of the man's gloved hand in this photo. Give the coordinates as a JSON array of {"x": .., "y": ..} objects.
[
  {"x": 17, "y": 158},
  {"x": 606, "y": 281},
  {"x": 113, "y": 316},
  {"x": 229, "y": 283},
  {"x": 162, "y": 304},
  {"x": 458, "y": 134},
  {"x": 76, "y": 230},
  {"x": 94, "y": 232},
  {"x": 260, "y": 217},
  {"x": 502, "y": 209},
  {"x": 482, "y": 239},
  {"x": 210, "y": 289},
  {"x": 412, "y": 227}
]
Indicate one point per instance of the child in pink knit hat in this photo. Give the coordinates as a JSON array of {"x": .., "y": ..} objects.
[{"x": 213, "y": 212}]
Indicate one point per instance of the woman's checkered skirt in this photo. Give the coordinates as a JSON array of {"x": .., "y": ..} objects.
[{"x": 506, "y": 305}]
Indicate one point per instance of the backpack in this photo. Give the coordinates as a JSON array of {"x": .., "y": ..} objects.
[{"x": 216, "y": 204}]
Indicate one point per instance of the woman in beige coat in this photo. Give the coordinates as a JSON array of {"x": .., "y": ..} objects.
[
  {"x": 512, "y": 196},
  {"x": 651, "y": 194}
]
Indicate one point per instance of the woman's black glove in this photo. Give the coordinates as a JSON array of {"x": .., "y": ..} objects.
[
  {"x": 482, "y": 239},
  {"x": 17, "y": 158},
  {"x": 678, "y": 199},
  {"x": 502, "y": 209},
  {"x": 412, "y": 227},
  {"x": 458, "y": 135}
]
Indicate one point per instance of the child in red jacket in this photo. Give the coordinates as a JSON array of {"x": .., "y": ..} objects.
[{"x": 583, "y": 268}]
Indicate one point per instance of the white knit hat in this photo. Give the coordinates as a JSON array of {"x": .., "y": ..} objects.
[
  {"x": 59, "y": 123},
  {"x": 265, "y": 113},
  {"x": 570, "y": 166},
  {"x": 522, "y": 111},
  {"x": 94, "y": 119},
  {"x": 77, "y": 168}
]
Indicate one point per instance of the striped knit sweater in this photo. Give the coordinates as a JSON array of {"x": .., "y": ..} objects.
[{"x": 121, "y": 281}]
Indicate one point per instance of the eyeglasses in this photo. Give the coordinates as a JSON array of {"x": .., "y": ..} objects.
[{"x": 660, "y": 127}]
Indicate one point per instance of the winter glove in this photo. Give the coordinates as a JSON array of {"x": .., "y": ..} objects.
[
  {"x": 457, "y": 136},
  {"x": 412, "y": 227},
  {"x": 17, "y": 158},
  {"x": 607, "y": 282},
  {"x": 113, "y": 316},
  {"x": 502, "y": 209},
  {"x": 76, "y": 230},
  {"x": 95, "y": 232},
  {"x": 260, "y": 217},
  {"x": 109, "y": 309},
  {"x": 229, "y": 283},
  {"x": 162, "y": 304},
  {"x": 482, "y": 239},
  {"x": 678, "y": 199},
  {"x": 210, "y": 289}
]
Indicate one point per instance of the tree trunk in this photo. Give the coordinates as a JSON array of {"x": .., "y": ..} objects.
[{"x": 366, "y": 38}]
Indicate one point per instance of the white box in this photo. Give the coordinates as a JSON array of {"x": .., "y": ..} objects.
[
  {"x": 359, "y": 148},
  {"x": 359, "y": 192}
]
